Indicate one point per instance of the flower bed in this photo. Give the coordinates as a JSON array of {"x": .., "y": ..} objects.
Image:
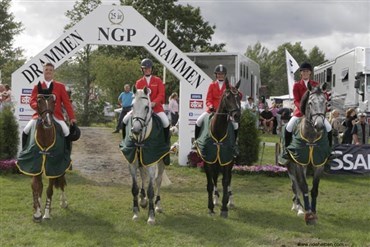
[
  {"x": 8, "y": 166},
  {"x": 269, "y": 170}
]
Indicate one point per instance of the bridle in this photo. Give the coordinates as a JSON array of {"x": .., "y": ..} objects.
[
  {"x": 45, "y": 115},
  {"x": 312, "y": 118},
  {"x": 236, "y": 108},
  {"x": 144, "y": 122}
]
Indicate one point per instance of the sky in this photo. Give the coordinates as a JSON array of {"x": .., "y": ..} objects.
[{"x": 335, "y": 26}]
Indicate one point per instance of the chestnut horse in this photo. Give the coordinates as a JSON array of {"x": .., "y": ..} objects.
[
  {"x": 45, "y": 151},
  {"x": 216, "y": 145}
]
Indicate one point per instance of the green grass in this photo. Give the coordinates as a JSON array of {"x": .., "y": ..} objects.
[{"x": 100, "y": 215}]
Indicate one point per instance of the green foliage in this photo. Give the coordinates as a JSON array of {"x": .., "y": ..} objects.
[
  {"x": 248, "y": 139},
  {"x": 9, "y": 136},
  {"x": 8, "y": 29}
]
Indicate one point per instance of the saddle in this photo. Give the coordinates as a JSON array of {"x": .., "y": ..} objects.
[
  {"x": 151, "y": 150},
  {"x": 212, "y": 150},
  {"x": 54, "y": 160}
]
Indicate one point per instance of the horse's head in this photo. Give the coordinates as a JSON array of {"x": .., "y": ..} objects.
[
  {"x": 45, "y": 109},
  {"x": 313, "y": 106},
  {"x": 230, "y": 102},
  {"x": 141, "y": 110}
]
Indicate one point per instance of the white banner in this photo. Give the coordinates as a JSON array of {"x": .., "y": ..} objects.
[{"x": 291, "y": 68}]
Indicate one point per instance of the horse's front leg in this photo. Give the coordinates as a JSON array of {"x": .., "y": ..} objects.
[
  {"x": 63, "y": 198},
  {"x": 297, "y": 205},
  {"x": 315, "y": 192},
  {"x": 49, "y": 195},
  {"x": 209, "y": 170},
  {"x": 134, "y": 191},
  {"x": 37, "y": 187},
  {"x": 231, "y": 203},
  {"x": 226, "y": 176},
  {"x": 151, "y": 214},
  {"x": 158, "y": 183},
  {"x": 144, "y": 180}
]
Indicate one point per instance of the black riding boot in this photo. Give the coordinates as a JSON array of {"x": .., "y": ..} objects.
[
  {"x": 24, "y": 139},
  {"x": 330, "y": 138},
  {"x": 196, "y": 135},
  {"x": 123, "y": 130},
  {"x": 288, "y": 139},
  {"x": 167, "y": 137}
]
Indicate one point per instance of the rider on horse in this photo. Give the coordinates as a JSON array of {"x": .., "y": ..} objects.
[
  {"x": 299, "y": 89},
  {"x": 157, "y": 96},
  {"x": 214, "y": 95},
  {"x": 49, "y": 85}
]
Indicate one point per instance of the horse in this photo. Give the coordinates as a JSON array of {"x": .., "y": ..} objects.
[
  {"x": 45, "y": 152},
  {"x": 216, "y": 140},
  {"x": 146, "y": 149},
  {"x": 310, "y": 147}
]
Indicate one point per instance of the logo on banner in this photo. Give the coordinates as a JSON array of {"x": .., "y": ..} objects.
[
  {"x": 115, "y": 16},
  {"x": 196, "y": 96},
  {"x": 25, "y": 99},
  {"x": 196, "y": 104},
  {"x": 26, "y": 91}
]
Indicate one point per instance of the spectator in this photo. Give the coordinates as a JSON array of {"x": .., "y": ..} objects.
[
  {"x": 174, "y": 108},
  {"x": 125, "y": 101},
  {"x": 336, "y": 126},
  {"x": 250, "y": 105},
  {"x": 274, "y": 110},
  {"x": 361, "y": 130},
  {"x": 285, "y": 115},
  {"x": 267, "y": 120},
  {"x": 348, "y": 124},
  {"x": 7, "y": 94},
  {"x": 2, "y": 90}
]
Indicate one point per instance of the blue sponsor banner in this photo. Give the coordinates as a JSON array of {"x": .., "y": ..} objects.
[
  {"x": 196, "y": 96},
  {"x": 26, "y": 90},
  {"x": 350, "y": 158}
]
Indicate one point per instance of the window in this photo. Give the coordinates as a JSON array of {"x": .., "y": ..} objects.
[
  {"x": 344, "y": 74},
  {"x": 333, "y": 80},
  {"x": 328, "y": 74}
]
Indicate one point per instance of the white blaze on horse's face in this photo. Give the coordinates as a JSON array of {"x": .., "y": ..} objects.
[{"x": 141, "y": 111}]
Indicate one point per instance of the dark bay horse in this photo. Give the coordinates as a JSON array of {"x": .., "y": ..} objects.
[
  {"x": 146, "y": 150},
  {"x": 46, "y": 153},
  {"x": 310, "y": 146},
  {"x": 216, "y": 145}
]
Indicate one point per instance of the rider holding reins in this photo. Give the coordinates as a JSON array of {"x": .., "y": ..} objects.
[{"x": 299, "y": 89}]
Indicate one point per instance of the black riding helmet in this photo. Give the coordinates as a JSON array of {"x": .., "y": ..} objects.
[
  {"x": 220, "y": 69},
  {"x": 146, "y": 63},
  {"x": 305, "y": 65}
]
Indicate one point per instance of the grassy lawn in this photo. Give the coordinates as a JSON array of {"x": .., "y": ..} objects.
[{"x": 100, "y": 215}]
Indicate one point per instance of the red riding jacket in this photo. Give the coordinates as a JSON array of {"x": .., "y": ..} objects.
[
  {"x": 59, "y": 90},
  {"x": 157, "y": 94}
]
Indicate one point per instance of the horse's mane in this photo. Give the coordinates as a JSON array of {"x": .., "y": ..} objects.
[
  {"x": 305, "y": 98},
  {"x": 304, "y": 101}
]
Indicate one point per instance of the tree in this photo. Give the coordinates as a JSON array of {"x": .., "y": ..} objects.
[
  {"x": 79, "y": 11},
  {"x": 8, "y": 29}
]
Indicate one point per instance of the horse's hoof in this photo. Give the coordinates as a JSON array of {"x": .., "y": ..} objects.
[
  {"x": 300, "y": 212},
  {"x": 135, "y": 217},
  {"x": 211, "y": 213},
  {"x": 37, "y": 219},
  {"x": 64, "y": 205},
  {"x": 224, "y": 214},
  {"x": 310, "y": 218},
  {"x": 158, "y": 210},
  {"x": 151, "y": 221}
]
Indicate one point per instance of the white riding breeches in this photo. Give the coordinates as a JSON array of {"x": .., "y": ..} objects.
[
  {"x": 200, "y": 120},
  {"x": 32, "y": 122},
  {"x": 291, "y": 123},
  {"x": 161, "y": 115}
]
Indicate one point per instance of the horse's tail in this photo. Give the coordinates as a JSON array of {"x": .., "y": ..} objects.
[{"x": 60, "y": 182}]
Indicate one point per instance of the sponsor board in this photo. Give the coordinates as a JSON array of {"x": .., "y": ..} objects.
[
  {"x": 25, "y": 99},
  {"x": 351, "y": 159},
  {"x": 25, "y": 117},
  {"x": 196, "y": 96},
  {"x": 26, "y": 90},
  {"x": 196, "y": 104}
]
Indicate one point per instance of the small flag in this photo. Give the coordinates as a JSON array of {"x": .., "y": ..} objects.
[{"x": 291, "y": 68}]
